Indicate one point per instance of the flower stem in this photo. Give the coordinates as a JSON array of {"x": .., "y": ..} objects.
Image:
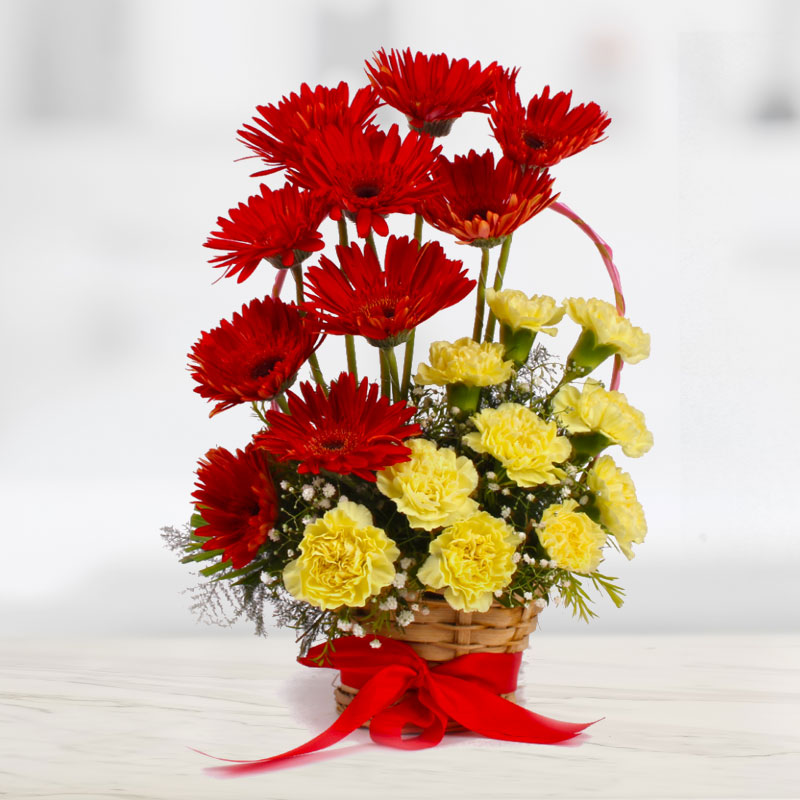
[
  {"x": 349, "y": 339},
  {"x": 502, "y": 262},
  {"x": 385, "y": 379},
  {"x": 408, "y": 358},
  {"x": 350, "y": 348},
  {"x": 371, "y": 241},
  {"x": 418, "y": 228},
  {"x": 297, "y": 273},
  {"x": 281, "y": 401},
  {"x": 278, "y": 285},
  {"x": 343, "y": 240},
  {"x": 607, "y": 254},
  {"x": 478, "y": 327},
  {"x": 392, "y": 361}
]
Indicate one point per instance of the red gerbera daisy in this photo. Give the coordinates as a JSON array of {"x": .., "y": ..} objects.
[
  {"x": 351, "y": 431},
  {"x": 368, "y": 174},
  {"x": 279, "y": 134},
  {"x": 280, "y": 226},
  {"x": 255, "y": 356},
  {"x": 432, "y": 91},
  {"x": 236, "y": 497},
  {"x": 480, "y": 203},
  {"x": 385, "y": 305},
  {"x": 549, "y": 130}
]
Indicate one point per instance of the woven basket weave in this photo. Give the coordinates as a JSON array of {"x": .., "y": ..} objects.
[{"x": 444, "y": 634}]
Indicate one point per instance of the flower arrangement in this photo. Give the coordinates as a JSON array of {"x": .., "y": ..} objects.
[{"x": 479, "y": 473}]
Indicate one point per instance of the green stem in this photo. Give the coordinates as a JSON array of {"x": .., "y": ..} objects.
[
  {"x": 385, "y": 379},
  {"x": 350, "y": 347},
  {"x": 343, "y": 240},
  {"x": 316, "y": 371},
  {"x": 418, "y": 228},
  {"x": 371, "y": 241},
  {"x": 408, "y": 357},
  {"x": 349, "y": 339},
  {"x": 478, "y": 327},
  {"x": 502, "y": 261},
  {"x": 393, "y": 373},
  {"x": 281, "y": 401},
  {"x": 297, "y": 273}
]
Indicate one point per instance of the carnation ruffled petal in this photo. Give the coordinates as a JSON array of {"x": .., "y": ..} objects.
[
  {"x": 473, "y": 559},
  {"x": 527, "y": 446},
  {"x": 344, "y": 559},
  {"x": 595, "y": 410},
  {"x": 615, "y": 499},
  {"x": 609, "y": 328},
  {"x": 433, "y": 488},
  {"x": 515, "y": 309},
  {"x": 465, "y": 361},
  {"x": 571, "y": 538}
]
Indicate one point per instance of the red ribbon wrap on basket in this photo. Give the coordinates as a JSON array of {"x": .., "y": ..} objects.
[{"x": 397, "y": 688}]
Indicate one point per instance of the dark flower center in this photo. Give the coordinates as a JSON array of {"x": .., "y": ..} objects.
[
  {"x": 264, "y": 367},
  {"x": 366, "y": 190},
  {"x": 335, "y": 440},
  {"x": 385, "y": 306},
  {"x": 534, "y": 142}
]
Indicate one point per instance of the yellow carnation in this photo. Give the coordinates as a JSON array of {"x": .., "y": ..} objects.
[
  {"x": 595, "y": 410},
  {"x": 515, "y": 309},
  {"x": 571, "y": 539},
  {"x": 522, "y": 442},
  {"x": 433, "y": 488},
  {"x": 344, "y": 559},
  {"x": 465, "y": 361},
  {"x": 616, "y": 501},
  {"x": 473, "y": 559},
  {"x": 609, "y": 328}
]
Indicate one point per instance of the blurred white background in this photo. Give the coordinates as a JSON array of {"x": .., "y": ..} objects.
[{"x": 118, "y": 148}]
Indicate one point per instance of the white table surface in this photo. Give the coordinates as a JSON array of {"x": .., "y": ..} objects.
[{"x": 688, "y": 717}]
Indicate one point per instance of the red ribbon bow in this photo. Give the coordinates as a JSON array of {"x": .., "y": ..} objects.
[{"x": 397, "y": 688}]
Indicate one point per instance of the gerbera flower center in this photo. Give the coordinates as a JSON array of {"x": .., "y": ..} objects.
[
  {"x": 366, "y": 190},
  {"x": 534, "y": 142},
  {"x": 264, "y": 367},
  {"x": 332, "y": 441},
  {"x": 477, "y": 212},
  {"x": 385, "y": 306}
]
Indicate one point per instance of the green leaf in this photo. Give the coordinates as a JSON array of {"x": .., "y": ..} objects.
[
  {"x": 205, "y": 555},
  {"x": 215, "y": 568}
]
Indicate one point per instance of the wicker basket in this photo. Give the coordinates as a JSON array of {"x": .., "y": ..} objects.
[{"x": 444, "y": 634}]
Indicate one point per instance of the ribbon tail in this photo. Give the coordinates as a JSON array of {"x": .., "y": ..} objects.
[
  {"x": 373, "y": 697},
  {"x": 478, "y": 710}
]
